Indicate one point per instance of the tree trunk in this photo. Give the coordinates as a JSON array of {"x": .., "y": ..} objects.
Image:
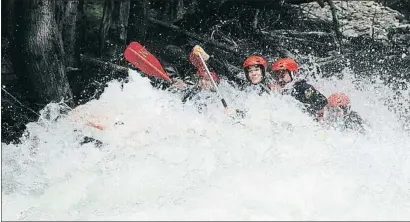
[
  {"x": 173, "y": 11},
  {"x": 336, "y": 24},
  {"x": 138, "y": 21},
  {"x": 59, "y": 14},
  {"x": 180, "y": 10},
  {"x": 80, "y": 29},
  {"x": 38, "y": 56},
  {"x": 192, "y": 7},
  {"x": 69, "y": 20},
  {"x": 7, "y": 9},
  {"x": 113, "y": 29},
  {"x": 7, "y": 37},
  {"x": 104, "y": 64}
]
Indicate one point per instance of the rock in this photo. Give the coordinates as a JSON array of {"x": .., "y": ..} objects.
[{"x": 358, "y": 18}]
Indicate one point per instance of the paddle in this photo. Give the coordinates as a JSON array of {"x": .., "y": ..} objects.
[
  {"x": 213, "y": 82},
  {"x": 201, "y": 65},
  {"x": 137, "y": 55}
]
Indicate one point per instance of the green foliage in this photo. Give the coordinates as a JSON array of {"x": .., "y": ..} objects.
[{"x": 94, "y": 11}]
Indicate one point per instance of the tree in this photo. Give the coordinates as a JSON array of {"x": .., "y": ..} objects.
[
  {"x": 38, "y": 54},
  {"x": 113, "y": 28},
  {"x": 138, "y": 20},
  {"x": 68, "y": 31}
]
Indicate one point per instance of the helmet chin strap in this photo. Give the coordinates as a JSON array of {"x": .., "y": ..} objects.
[{"x": 292, "y": 75}]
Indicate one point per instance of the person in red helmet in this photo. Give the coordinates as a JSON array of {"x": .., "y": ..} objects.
[
  {"x": 202, "y": 81},
  {"x": 338, "y": 113},
  {"x": 255, "y": 68},
  {"x": 285, "y": 73}
]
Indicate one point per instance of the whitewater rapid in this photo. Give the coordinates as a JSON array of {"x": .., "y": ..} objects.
[{"x": 169, "y": 162}]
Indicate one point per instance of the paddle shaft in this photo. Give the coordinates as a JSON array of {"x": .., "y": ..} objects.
[{"x": 213, "y": 82}]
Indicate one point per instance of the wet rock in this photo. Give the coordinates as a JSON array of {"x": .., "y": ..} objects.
[{"x": 359, "y": 18}]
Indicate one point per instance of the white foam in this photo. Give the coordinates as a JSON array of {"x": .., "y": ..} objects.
[{"x": 169, "y": 162}]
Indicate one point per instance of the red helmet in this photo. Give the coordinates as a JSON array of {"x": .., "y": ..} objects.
[
  {"x": 337, "y": 100},
  {"x": 255, "y": 60},
  {"x": 285, "y": 64}
]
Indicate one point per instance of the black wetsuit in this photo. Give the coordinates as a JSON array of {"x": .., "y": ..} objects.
[
  {"x": 305, "y": 93},
  {"x": 353, "y": 121},
  {"x": 302, "y": 91},
  {"x": 191, "y": 94},
  {"x": 198, "y": 97}
]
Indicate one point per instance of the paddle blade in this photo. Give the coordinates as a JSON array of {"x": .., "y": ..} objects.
[
  {"x": 196, "y": 61},
  {"x": 137, "y": 55}
]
